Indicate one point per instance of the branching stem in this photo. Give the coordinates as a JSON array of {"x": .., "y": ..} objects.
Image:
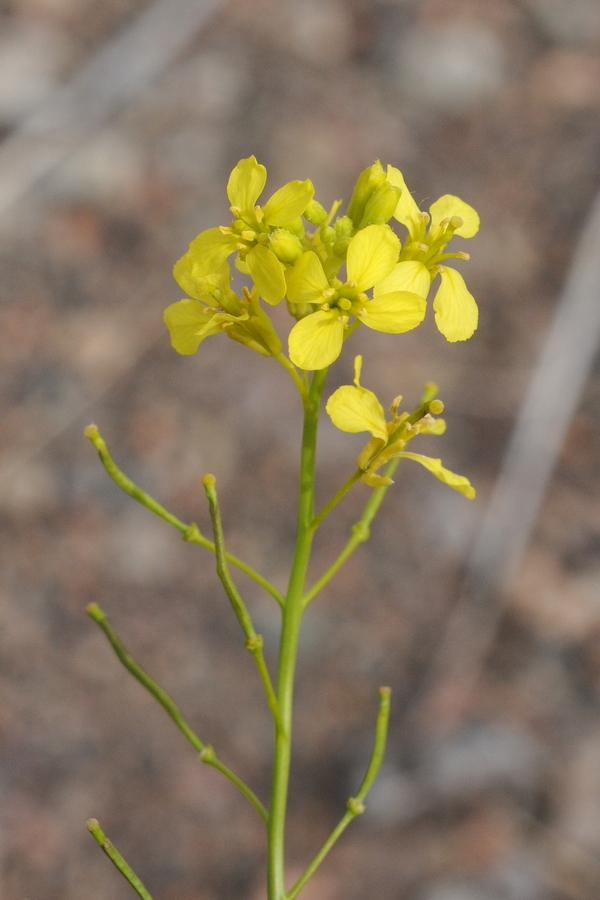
[
  {"x": 205, "y": 751},
  {"x": 93, "y": 826},
  {"x": 190, "y": 532},
  {"x": 355, "y": 805},
  {"x": 254, "y": 641}
]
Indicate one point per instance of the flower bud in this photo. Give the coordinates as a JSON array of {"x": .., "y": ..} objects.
[
  {"x": 366, "y": 183},
  {"x": 315, "y": 213},
  {"x": 343, "y": 227},
  {"x": 340, "y": 247},
  {"x": 327, "y": 234},
  {"x": 286, "y": 246},
  {"x": 381, "y": 205}
]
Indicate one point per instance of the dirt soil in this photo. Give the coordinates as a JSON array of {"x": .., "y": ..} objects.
[{"x": 492, "y": 793}]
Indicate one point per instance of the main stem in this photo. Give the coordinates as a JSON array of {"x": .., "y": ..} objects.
[{"x": 288, "y": 647}]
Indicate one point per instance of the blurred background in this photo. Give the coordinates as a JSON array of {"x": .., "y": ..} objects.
[{"x": 119, "y": 124}]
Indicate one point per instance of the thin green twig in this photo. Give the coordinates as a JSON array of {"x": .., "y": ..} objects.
[
  {"x": 205, "y": 751},
  {"x": 190, "y": 533},
  {"x": 355, "y": 805},
  {"x": 360, "y": 532},
  {"x": 300, "y": 383},
  {"x": 254, "y": 641},
  {"x": 335, "y": 499},
  {"x": 93, "y": 826}
]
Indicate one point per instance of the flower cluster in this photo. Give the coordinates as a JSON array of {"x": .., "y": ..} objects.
[
  {"x": 353, "y": 408},
  {"x": 384, "y": 286}
]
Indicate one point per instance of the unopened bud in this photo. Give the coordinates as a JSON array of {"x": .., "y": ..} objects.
[
  {"x": 381, "y": 205},
  {"x": 343, "y": 227},
  {"x": 366, "y": 184},
  {"x": 286, "y": 246},
  {"x": 327, "y": 234},
  {"x": 340, "y": 247},
  {"x": 315, "y": 213}
]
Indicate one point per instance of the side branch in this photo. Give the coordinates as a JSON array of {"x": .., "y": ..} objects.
[
  {"x": 93, "y": 826},
  {"x": 190, "y": 532},
  {"x": 205, "y": 751},
  {"x": 360, "y": 533},
  {"x": 254, "y": 641},
  {"x": 355, "y": 805},
  {"x": 335, "y": 499}
]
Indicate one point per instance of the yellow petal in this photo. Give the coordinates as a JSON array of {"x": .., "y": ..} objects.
[
  {"x": 185, "y": 272},
  {"x": 406, "y": 276},
  {"x": 407, "y": 210},
  {"x": 209, "y": 250},
  {"x": 306, "y": 281},
  {"x": 372, "y": 254},
  {"x": 189, "y": 324},
  {"x": 246, "y": 184},
  {"x": 288, "y": 202},
  {"x": 375, "y": 481},
  {"x": 458, "y": 482},
  {"x": 356, "y": 409},
  {"x": 316, "y": 341},
  {"x": 437, "y": 426},
  {"x": 267, "y": 273},
  {"x": 448, "y": 206},
  {"x": 393, "y": 313},
  {"x": 455, "y": 309}
]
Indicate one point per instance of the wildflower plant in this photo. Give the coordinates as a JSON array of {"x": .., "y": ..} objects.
[{"x": 335, "y": 273}]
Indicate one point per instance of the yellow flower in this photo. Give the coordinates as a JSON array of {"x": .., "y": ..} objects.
[
  {"x": 355, "y": 409},
  {"x": 316, "y": 340},
  {"x": 250, "y": 232},
  {"x": 215, "y": 308},
  {"x": 428, "y": 234}
]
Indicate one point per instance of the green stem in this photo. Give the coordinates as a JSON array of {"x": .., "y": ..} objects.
[
  {"x": 254, "y": 641},
  {"x": 336, "y": 499},
  {"x": 205, "y": 751},
  {"x": 300, "y": 384},
  {"x": 360, "y": 533},
  {"x": 93, "y": 826},
  {"x": 355, "y": 805},
  {"x": 288, "y": 648},
  {"x": 190, "y": 533}
]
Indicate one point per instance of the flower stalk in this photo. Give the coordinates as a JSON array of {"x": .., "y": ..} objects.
[{"x": 349, "y": 271}]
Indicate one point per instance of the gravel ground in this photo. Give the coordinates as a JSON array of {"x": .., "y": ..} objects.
[{"x": 494, "y": 794}]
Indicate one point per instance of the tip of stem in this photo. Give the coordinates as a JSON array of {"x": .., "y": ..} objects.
[
  {"x": 384, "y": 692},
  {"x": 91, "y": 432},
  {"x": 92, "y": 824},
  {"x": 209, "y": 481},
  {"x": 94, "y": 611}
]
